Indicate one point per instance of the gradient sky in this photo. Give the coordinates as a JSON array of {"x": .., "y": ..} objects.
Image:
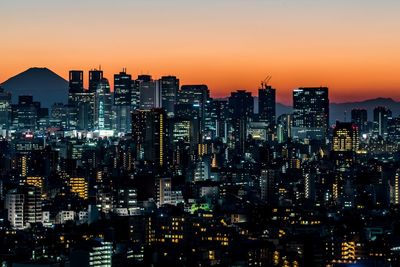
[{"x": 351, "y": 46}]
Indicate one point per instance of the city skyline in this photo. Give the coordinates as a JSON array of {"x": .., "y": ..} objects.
[
  {"x": 213, "y": 93},
  {"x": 228, "y": 45},
  {"x": 200, "y": 133}
]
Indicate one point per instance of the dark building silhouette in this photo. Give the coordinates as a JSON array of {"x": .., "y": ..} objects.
[
  {"x": 169, "y": 91},
  {"x": 125, "y": 98},
  {"x": 149, "y": 135},
  {"x": 360, "y": 118},
  {"x": 219, "y": 116},
  {"x": 382, "y": 115},
  {"x": 123, "y": 87},
  {"x": 196, "y": 95},
  {"x": 75, "y": 92},
  {"x": 95, "y": 77},
  {"x": 310, "y": 113},
  {"x": 267, "y": 105},
  {"x": 5, "y": 109},
  {"x": 75, "y": 81},
  {"x": 241, "y": 107},
  {"x": 25, "y": 114},
  {"x": 149, "y": 92}
]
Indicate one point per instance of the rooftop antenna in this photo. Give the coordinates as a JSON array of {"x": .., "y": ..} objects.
[{"x": 264, "y": 83}]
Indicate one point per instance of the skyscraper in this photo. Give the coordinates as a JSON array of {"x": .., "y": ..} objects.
[
  {"x": 123, "y": 87},
  {"x": 25, "y": 114},
  {"x": 382, "y": 115},
  {"x": 197, "y": 96},
  {"x": 310, "y": 113},
  {"x": 75, "y": 81},
  {"x": 149, "y": 135},
  {"x": 103, "y": 106},
  {"x": 345, "y": 143},
  {"x": 219, "y": 117},
  {"x": 5, "y": 109},
  {"x": 149, "y": 91},
  {"x": 123, "y": 94},
  {"x": 284, "y": 127},
  {"x": 266, "y": 105},
  {"x": 95, "y": 77},
  {"x": 169, "y": 91},
  {"x": 241, "y": 107},
  {"x": 345, "y": 137},
  {"x": 360, "y": 118},
  {"x": 85, "y": 112},
  {"x": 74, "y": 97}
]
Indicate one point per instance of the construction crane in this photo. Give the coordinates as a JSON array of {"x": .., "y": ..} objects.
[{"x": 265, "y": 82}]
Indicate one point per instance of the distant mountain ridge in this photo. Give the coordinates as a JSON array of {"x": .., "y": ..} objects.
[{"x": 43, "y": 84}]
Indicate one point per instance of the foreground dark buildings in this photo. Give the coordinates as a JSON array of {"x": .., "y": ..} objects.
[{"x": 157, "y": 174}]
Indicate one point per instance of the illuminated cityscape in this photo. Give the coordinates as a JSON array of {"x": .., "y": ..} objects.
[
  {"x": 200, "y": 133},
  {"x": 154, "y": 173}
]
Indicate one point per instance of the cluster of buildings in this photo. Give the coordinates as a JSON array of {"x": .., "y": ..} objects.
[{"x": 158, "y": 174}]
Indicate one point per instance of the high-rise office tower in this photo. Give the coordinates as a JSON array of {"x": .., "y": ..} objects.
[
  {"x": 123, "y": 87},
  {"x": 345, "y": 137},
  {"x": 85, "y": 112},
  {"x": 123, "y": 93},
  {"x": 345, "y": 143},
  {"x": 360, "y": 118},
  {"x": 394, "y": 130},
  {"x": 58, "y": 115},
  {"x": 196, "y": 95},
  {"x": 169, "y": 90},
  {"x": 95, "y": 77},
  {"x": 186, "y": 127},
  {"x": 382, "y": 115},
  {"x": 266, "y": 105},
  {"x": 149, "y": 135},
  {"x": 81, "y": 101},
  {"x": 5, "y": 109},
  {"x": 103, "y": 106},
  {"x": 284, "y": 127},
  {"x": 310, "y": 113},
  {"x": 219, "y": 116},
  {"x": 149, "y": 91},
  {"x": 241, "y": 107},
  {"x": 25, "y": 114},
  {"x": 74, "y": 97},
  {"x": 75, "y": 81}
]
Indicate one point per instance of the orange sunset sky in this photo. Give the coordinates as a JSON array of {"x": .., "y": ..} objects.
[{"x": 351, "y": 46}]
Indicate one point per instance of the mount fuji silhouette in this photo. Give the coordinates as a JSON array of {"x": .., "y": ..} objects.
[{"x": 43, "y": 84}]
